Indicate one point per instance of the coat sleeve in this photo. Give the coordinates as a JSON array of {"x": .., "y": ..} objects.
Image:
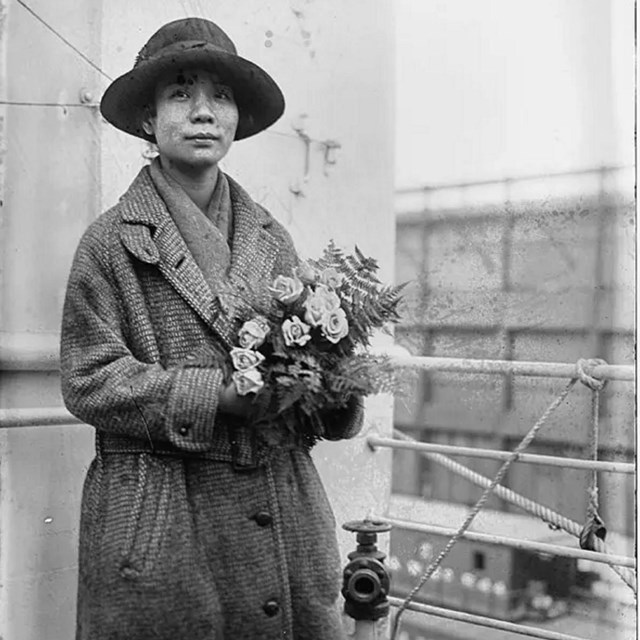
[
  {"x": 104, "y": 385},
  {"x": 344, "y": 423}
]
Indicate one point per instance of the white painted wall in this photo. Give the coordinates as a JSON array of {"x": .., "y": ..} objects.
[{"x": 50, "y": 172}]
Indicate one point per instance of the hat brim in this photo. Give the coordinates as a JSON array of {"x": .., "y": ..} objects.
[{"x": 259, "y": 99}]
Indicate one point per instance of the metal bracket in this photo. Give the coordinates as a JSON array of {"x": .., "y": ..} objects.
[
  {"x": 297, "y": 187},
  {"x": 330, "y": 154},
  {"x": 329, "y": 159}
]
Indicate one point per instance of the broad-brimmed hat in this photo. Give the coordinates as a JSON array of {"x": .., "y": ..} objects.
[{"x": 192, "y": 43}]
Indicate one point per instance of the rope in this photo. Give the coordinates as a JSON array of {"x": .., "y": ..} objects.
[
  {"x": 61, "y": 37},
  {"x": 594, "y": 526},
  {"x": 556, "y": 520},
  {"x": 524, "y": 443},
  {"x": 591, "y": 535},
  {"x": 594, "y": 529},
  {"x": 552, "y": 518},
  {"x": 584, "y": 368}
]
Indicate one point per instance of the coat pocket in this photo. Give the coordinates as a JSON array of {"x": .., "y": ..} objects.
[
  {"x": 146, "y": 520},
  {"x": 92, "y": 513}
]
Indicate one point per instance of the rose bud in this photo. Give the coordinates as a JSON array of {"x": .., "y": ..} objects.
[
  {"x": 331, "y": 277},
  {"x": 306, "y": 273}
]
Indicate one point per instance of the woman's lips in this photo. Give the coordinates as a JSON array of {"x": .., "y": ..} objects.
[{"x": 202, "y": 136}]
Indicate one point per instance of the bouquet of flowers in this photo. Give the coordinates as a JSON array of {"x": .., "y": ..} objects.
[{"x": 307, "y": 354}]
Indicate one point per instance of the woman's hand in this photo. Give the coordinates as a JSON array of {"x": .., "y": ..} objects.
[{"x": 230, "y": 402}]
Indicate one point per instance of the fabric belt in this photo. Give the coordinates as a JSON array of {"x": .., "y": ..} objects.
[{"x": 239, "y": 448}]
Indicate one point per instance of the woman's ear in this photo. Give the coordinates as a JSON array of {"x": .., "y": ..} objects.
[
  {"x": 147, "y": 120},
  {"x": 147, "y": 126}
]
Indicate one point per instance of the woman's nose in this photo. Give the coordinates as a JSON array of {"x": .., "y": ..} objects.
[{"x": 201, "y": 108}]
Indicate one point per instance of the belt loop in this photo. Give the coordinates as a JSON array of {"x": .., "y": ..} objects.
[{"x": 237, "y": 461}]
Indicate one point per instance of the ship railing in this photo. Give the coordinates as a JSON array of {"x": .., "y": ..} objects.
[
  {"x": 589, "y": 372},
  {"x": 39, "y": 359}
]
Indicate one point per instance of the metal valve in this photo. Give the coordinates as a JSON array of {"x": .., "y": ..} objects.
[{"x": 366, "y": 579}]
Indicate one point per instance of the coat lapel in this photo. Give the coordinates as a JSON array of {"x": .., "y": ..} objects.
[
  {"x": 254, "y": 248},
  {"x": 150, "y": 235}
]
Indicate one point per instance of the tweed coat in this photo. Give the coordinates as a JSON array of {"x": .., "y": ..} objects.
[{"x": 189, "y": 530}]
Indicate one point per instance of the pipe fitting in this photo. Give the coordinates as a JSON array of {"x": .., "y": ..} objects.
[{"x": 366, "y": 579}]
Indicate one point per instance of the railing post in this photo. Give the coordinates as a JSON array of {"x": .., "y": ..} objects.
[{"x": 366, "y": 583}]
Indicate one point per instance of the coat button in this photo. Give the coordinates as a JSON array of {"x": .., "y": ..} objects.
[
  {"x": 271, "y": 608},
  {"x": 263, "y": 518},
  {"x": 184, "y": 430}
]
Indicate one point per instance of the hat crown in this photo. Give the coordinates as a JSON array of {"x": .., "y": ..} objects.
[{"x": 187, "y": 32}]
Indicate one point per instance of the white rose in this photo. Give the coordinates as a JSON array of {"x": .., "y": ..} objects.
[
  {"x": 245, "y": 359},
  {"x": 318, "y": 303},
  {"x": 248, "y": 381},
  {"x": 295, "y": 332},
  {"x": 253, "y": 333},
  {"x": 286, "y": 289},
  {"x": 334, "y": 325}
]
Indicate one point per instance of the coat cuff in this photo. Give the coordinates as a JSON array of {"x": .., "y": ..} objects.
[
  {"x": 192, "y": 408},
  {"x": 344, "y": 423}
]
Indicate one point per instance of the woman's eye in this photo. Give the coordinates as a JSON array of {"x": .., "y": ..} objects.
[
  {"x": 179, "y": 93},
  {"x": 224, "y": 94}
]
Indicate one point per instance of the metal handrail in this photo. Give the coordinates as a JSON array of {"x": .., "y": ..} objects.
[
  {"x": 516, "y": 543},
  {"x": 37, "y": 417},
  {"x": 483, "y": 621},
  {"x": 25, "y": 351},
  {"x": 493, "y": 454},
  {"x": 41, "y": 356},
  {"x": 512, "y": 179},
  {"x": 621, "y": 372},
  {"x": 39, "y": 352}
]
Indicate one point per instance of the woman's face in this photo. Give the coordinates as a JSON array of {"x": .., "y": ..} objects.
[{"x": 195, "y": 119}]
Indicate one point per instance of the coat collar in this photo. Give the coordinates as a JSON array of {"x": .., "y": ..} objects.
[
  {"x": 150, "y": 234},
  {"x": 141, "y": 203}
]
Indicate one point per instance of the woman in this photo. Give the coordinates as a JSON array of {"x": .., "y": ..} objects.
[{"x": 190, "y": 527}]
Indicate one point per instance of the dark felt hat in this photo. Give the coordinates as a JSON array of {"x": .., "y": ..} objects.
[{"x": 189, "y": 43}]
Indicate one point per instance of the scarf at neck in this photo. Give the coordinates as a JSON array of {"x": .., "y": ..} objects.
[{"x": 207, "y": 236}]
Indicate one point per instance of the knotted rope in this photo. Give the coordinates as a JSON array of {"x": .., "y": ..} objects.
[
  {"x": 584, "y": 369},
  {"x": 594, "y": 526},
  {"x": 524, "y": 443},
  {"x": 554, "y": 519}
]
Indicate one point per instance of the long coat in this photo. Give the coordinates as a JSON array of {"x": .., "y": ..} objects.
[{"x": 188, "y": 530}]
